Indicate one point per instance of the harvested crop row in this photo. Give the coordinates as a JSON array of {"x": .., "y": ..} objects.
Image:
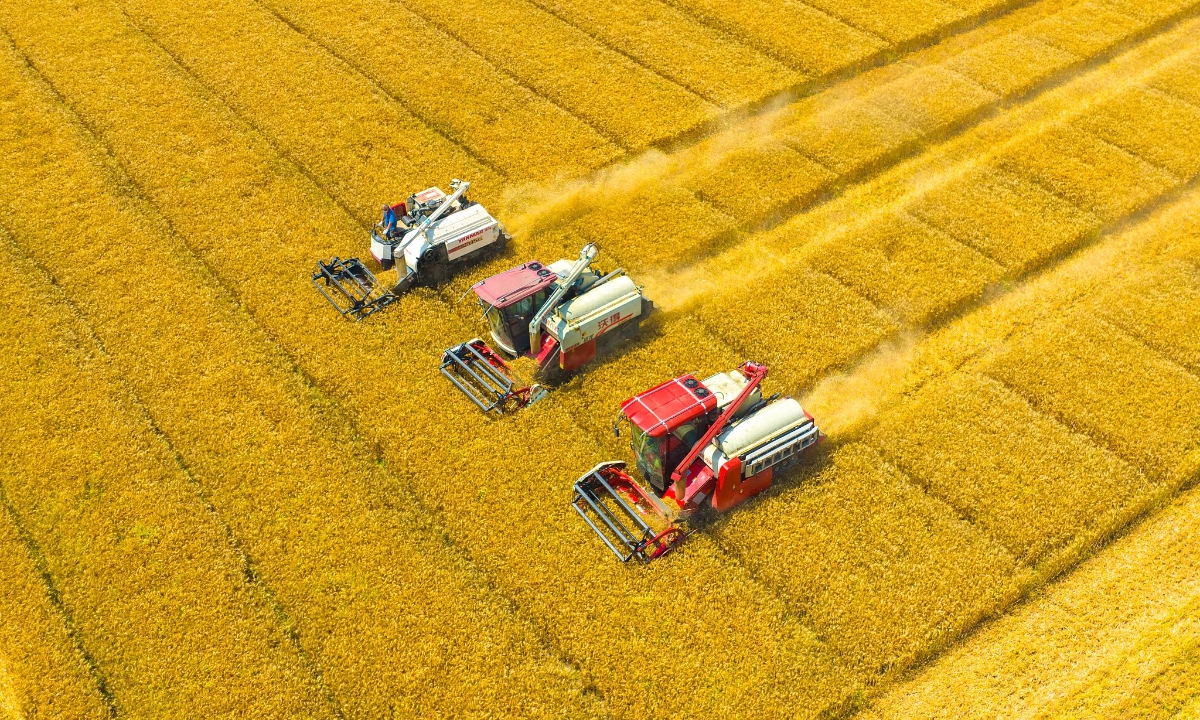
[
  {"x": 922, "y": 270},
  {"x": 571, "y": 68},
  {"x": 1021, "y": 476},
  {"x": 479, "y": 106},
  {"x": 328, "y": 532},
  {"x": 1107, "y": 626},
  {"x": 884, "y": 572},
  {"x": 159, "y": 598},
  {"x": 41, "y": 671},
  {"x": 769, "y": 168},
  {"x": 678, "y": 47},
  {"x": 515, "y": 521},
  {"x": 1025, "y": 467}
]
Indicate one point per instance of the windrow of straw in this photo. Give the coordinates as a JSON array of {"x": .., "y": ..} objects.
[
  {"x": 375, "y": 599},
  {"x": 160, "y": 601}
]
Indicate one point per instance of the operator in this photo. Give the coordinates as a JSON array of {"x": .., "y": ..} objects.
[{"x": 389, "y": 221}]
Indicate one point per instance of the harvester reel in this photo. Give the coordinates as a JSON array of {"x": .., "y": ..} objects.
[
  {"x": 485, "y": 378},
  {"x": 350, "y": 287}
]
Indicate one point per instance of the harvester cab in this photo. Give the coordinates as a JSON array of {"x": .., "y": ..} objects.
[
  {"x": 432, "y": 233},
  {"x": 714, "y": 442},
  {"x": 560, "y": 315}
]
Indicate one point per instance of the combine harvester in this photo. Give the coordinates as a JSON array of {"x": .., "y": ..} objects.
[
  {"x": 698, "y": 442},
  {"x": 433, "y": 233},
  {"x": 561, "y": 315}
]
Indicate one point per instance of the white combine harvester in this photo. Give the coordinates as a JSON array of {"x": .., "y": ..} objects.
[
  {"x": 561, "y": 315},
  {"x": 433, "y": 233}
]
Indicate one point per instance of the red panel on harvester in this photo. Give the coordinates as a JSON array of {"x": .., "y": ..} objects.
[
  {"x": 661, "y": 409},
  {"x": 511, "y": 286}
]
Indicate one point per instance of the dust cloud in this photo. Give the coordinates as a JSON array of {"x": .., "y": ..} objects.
[{"x": 844, "y": 403}]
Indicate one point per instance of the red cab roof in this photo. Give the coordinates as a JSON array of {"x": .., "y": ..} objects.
[
  {"x": 510, "y": 286},
  {"x": 661, "y": 409}
]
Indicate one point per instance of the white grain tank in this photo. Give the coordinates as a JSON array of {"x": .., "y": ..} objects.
[
  {"x": 763, "y": 439},
  {"x": 463, "y": 232},
  {"x": 595, "y": 312}
]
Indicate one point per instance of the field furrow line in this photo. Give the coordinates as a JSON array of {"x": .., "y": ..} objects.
[
  {"x": 102, "y": 546},
  {"x": 18, "y": 541},
  {"x": 814, "y": 24},
  {"x": 450, "y": 86},
  {"x": 661, "y": 39},
  {"x": 794, "y": 653},
  {"x": 441, "y": 130},
  {"x": 566, "y": 64},
  {"x": 333, "y": 121},
  {"x": 853, "y": 135},
  {"x": 674, "y": 78},
  {"x": 299, "y": 501},
  {"x": 244, "y": 561}
]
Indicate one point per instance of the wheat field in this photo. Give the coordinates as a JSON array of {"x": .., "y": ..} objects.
[{"x": 964, "y": 233}]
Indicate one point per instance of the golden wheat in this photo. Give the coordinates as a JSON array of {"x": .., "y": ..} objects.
[
  {"x": 1020, "y": 476},
  {"x": 424, "y": 556},
  {"x": 41, "y": 670},
  {"x": 302, "y": 501},
  {"x": 144, "y": 570},
  {"x": 527, "y": 137},
  {"x": 571, "y": 68},
  {"x": 680, "y": 48}
]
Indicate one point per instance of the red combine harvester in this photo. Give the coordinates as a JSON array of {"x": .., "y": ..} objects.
[
  {"x": 713, "y": 442},
  {"x": 561, "y": 315}
]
